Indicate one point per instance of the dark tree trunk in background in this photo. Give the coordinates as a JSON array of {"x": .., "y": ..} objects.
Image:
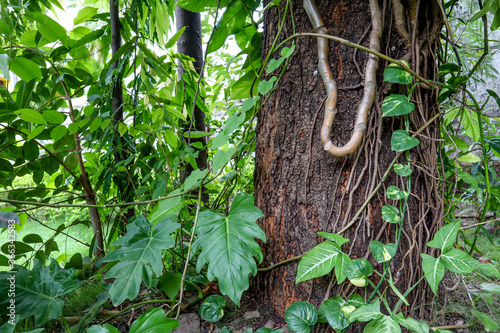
[
  {"x": 288, "y": 172},
  {"x": 119, "y": 144},
  {"x": 190, "y": 44}
]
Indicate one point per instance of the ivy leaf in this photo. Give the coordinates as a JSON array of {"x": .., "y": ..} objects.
[
  {"x": 38, "y": 291},
  {"x": 383, "y": 252},
  {"x": 366, "y": 312},
  {"x": 390, "y": 214},
  {"x": 433, "y": 271},
  {"x": 445, "y": 237},
  {"x": 358, "y": 271},
  {"x": 153, "y": 321},
  {"x": 228, "y": 244},
  {"x": 139, "y": 256},
  {"x": 396, "y": 74},
  {"x": 265, "y": 86},
  {"x": 300, "y": 316},
  {"x": 26, "y": 69},
  {"x": 395, "y": 193},
  {"x": 84, "y": 15},
  {"x": 319, "y": 261},
  {"x": 396, "y": 105},
  {"x": 402, "y": 141},
  {"x": 212, "y": 308}
]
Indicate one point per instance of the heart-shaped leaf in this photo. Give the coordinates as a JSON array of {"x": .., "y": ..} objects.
[
  {"x": 212, "y": 308},
  {"x": 383, "y": 252},
  {"x": 358, "y": 271},
  {"x": 265, "y": 86},
  {"x": 318, "y": 262},
  {"x": 402, "y": 141},
  {"x": 395, "y": 193},
  {"x": 446, "y": 236},
  {"x": 336, "y": 312},
  {"x": 300, "y": 316},
  {"x": 433, "y": 271},
  {"x": 390, "y": 214},
  {"x": 402, "y": 170},
  {"x": 333, "y": 237},
  {"x": 396, "y": 74},
  {"x": 396, "y": 105}
]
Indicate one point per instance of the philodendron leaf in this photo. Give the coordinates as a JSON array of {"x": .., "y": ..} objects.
[
  {"x": 383, "y": 252},
  {"x": 412, "y": 324},
  {"x": 153, "y": 321},
  {"x": 396, "y": 105},
  {"x": 434, "y": 270},
  {"x": 228, "y": 245},
  {"x": 106, "y": 328},
  {"x": 395, "y": 193},
  {"x": 396, "y": 74},
  {"x": 318, "y": 262},
  {"x": 139, "y": 256},
  {"x": 358, "y": 271},
  {"x": 390, "y": 214},
  {"x": 336, "y": 312},
  {"x": 366, "y": 312},
  {"x": 490, "y": 325},
  {"x": 445, "y": 237},
  {"x": 458, "y": 261},
  {"x": 300, "y": 316},
  {"x": 212, "y": 308},
  {"x": 387, "y": 324},
  {"x": 402, "y": 141},
  {"x": 341, "y": 267},
  {"x": 333, "y": 237},
  {"x": 402, "y": 170},
  {"x": 38, "y": 291}
]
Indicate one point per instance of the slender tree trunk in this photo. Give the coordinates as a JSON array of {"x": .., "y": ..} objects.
[
  {"x": 119, "y": 144},
  {"x": 190, "y": 44},
  {"x": 301, "y": 189}
]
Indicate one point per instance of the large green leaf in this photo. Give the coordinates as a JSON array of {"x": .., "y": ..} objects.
[
  {"x": 434, "y": 270},
  {"x": 402, "y": 141},
  {"x": 139, "y": 256},
  {"x": 153, "y": 321},
  {"x": 212, "y": 308},
  {"x": 49, "y": 28},
  {"x": 300, "y": 316},
  {"x": 336, "y": 312},
  {"x": 490, "y": 324},
  {"x": 458, "y": 261},
  {"x": 383, "y": 252},
  {"x": 38, "y": 291},
  {"x": 396, "y": 74},
  {"x": 387, "y": 324},
  {"x": 31, "y": 116},
  {"x": 445, "y": 237},
  {"x": 412, "y": 324},
  {"x": 358, "y": 271},
  {"x": 318, "y": 262},
  {"x": 106, "y": 328},
  {"x": 26, "y": 69},
  {"x": 396, "y": 105},
  {"x": 84, "y": 15},
  {"x": 341, "y": 267},
  {"x": 228, "y": 245},
  {"x": 366, "y": 312}
]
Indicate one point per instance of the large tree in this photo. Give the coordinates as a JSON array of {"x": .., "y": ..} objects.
[{"x": 302, "y": 189}]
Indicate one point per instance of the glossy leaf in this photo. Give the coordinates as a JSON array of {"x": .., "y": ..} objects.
[
  {"x": 402, "y": 170},
  {"x": 31, "y": 116},
  {"x": 387, "y": 324},
  {"x": 390, "y": 214},
  {"x": 445, "y": 237},
  {"x": 171, "y": 284},
  {"x": 358, "y": 271},
  {"x": 395, "y": 193},
  {"x": 336, "y": 312},
  {"x": 139, "y": 256},
  {"x": 366, "y": 312},
  {"x": 402, "y": 141},
  {"x": 26, "y": 69},
  {"x": 341, "y": 267},
  {"x": 84, "y": 15},
  {"x": 396, "y": 74},
  {"x": 106, "y": 328},
  {"x": 300, "y": 316},
  {"x": 333, "y": 237},
  {"x": 319, "y": 261},
  {"x": 228, "y": 245},
  {"x": 383, "y": 252},
  {"x": 396, "y": 105},
  {"x": 212, "y": 308},
  {"x": 49, "y": 28},
  {"x": 434, "y": 270},
  {"x": 153, "y": 321},
  {"x": 458, "y": 261},
  {"x": 416, "y": 326}
]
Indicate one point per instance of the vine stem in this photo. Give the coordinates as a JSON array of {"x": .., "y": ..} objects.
[
  {"x": 186, "y": 264},
  {"x": 362, "y": 48}
]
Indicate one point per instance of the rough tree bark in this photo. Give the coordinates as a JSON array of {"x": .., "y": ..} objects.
[{"x": 301, "y": 189}]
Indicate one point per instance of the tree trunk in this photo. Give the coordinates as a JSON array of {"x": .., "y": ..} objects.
[
  {"x": 190, "y": 44},
  {"x": 301, "y": 189}
]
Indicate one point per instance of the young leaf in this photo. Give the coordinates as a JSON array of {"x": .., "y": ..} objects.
[
  {"x": 387, "y": 324},
  {"x": 300, "y": 316},
  {"x": 390, "y": 214},
  {"x": 358, "y": 271},
  {"x": 383, "y": 252},
  {"x": 228, "y": 245},
  {"x": 433, "y": 271},
  {"x": 396, "y": 105},
  {"x": 212, "y": 308},
  {"x": 402, "y": 141},
  {"x": 445, "y": 237},
  {"x": 396, "y": 74},
  {"x": 402, "y": 170},
  {"x": 395, "y": 193},
  {"x": 139, "y": 256},
  {"x": 318, "y": 262}
]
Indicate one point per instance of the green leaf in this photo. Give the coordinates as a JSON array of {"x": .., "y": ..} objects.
[
  {"x": 387, "y": 324},
  {"x": 490, "y": 288},
  {"x": 90, "y": 37},
  {"x": 153, "y": 321},
  {"x": 390, "y": 214},
  {"x": 434, "y": 270},
  {"x": 232, "y": 21},
  {"x": 196, "y": 134},
  {"x": 402, "y": 170},
  {"x": 32, "y": 239},
  {"x": 341, "y": 267},
  {"x": 445, "y": 237},
  {"x": 447, "y": 68},
  {"x": 319, "y": 261},
  {"x": 49, "y": 28},
  {"x": 171, "y": 284},
  {"x": 366, "y": 312},
  {"x": 273, "y": 64},
  {"x": 175, "y": 38},
  {"x": 402, "y": 141},
  {"x": 496, "y": 21},
  {"x": 84, "y": 15},
  {"x": 458, "y": 261},
  {"x": 26, "y": 69},
  {"x": 395, "y": 193},
  {"x": 30, "y": 150},
  {"x": 383, "y": 252},
  {"x": 139, "y": 256},
  {"x": 38, "y": 291},
  {"x": 228, "y": 244},
  {"x": 4, "y": 65},
  {"x": 20, "y": 248},
  {"x": 201, "y": 6},
  {"x": 212, "y": 308},
  {"x": 31, "y": 116},
  {"x": 265, "y": 86},
  {"x": 300, "y": 316},
  {"x": 54, "y": 117},
  {"x": 490, "y": 92},
  {"x": 221, "y": 158},
  {"x": 194, "y": 179},
  {"x": 58, "y": 132},
  {"x": 412, "y": 324},
  {"x": 358, "y": 271},
  {"x": 333, "y": 237},
  {"x": 35, "y": 131},
  {"x": 287, "y": 52},
  {"x": 396, "y": 74},
  {"x": 490, "y": 325},
  {"x": 106, "y": 328},
  {"x": 336, "y": 312}
]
